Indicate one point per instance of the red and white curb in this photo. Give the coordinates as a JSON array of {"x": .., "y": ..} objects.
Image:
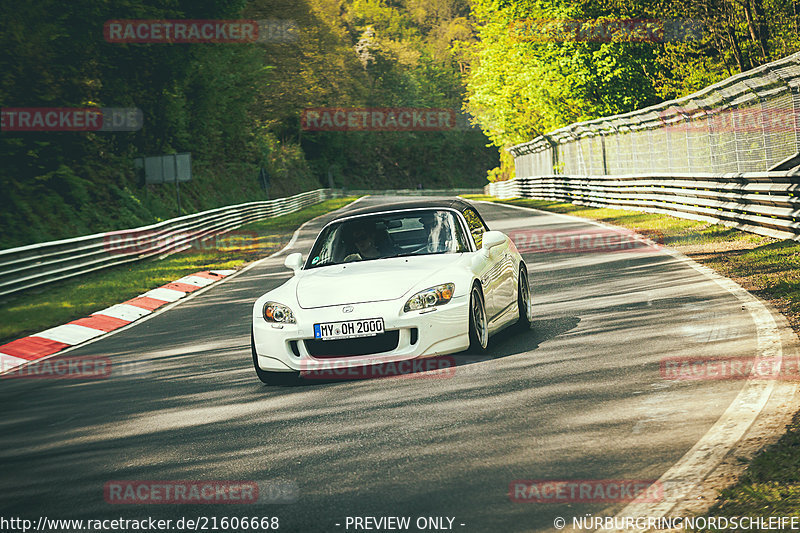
[{"x": 26, "y": 350}]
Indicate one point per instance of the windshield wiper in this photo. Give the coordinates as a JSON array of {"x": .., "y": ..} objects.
[{"x": 407, "y": 254}]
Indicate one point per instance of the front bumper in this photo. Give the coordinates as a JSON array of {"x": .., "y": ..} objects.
[{"x": 282, "y": 348}]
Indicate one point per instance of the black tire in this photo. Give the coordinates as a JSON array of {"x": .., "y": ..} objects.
[
  {"x": 478, "y": 322},
  {"x": 524, "y": 299},
  {"x": 271, "y": 378}
]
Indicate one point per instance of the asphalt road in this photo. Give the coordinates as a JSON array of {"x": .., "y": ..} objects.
[{"x": 578, "y": 397}]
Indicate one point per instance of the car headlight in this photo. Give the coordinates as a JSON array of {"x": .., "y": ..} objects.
[
  {"x": 275, "y": 312},
  {"x": 438, "y": 295}
]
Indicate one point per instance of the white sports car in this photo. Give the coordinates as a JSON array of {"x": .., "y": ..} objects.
[{"x": 389, "y": 283}]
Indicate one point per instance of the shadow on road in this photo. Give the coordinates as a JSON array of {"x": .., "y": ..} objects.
[{"x": 509, "y": 342}]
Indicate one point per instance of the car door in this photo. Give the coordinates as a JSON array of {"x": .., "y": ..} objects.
[
  {"x": 506, "y": 292},
  {"x": 491, "y": 275}
]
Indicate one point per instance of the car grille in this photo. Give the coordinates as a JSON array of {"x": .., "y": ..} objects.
[{"x": 382, "y": 342}]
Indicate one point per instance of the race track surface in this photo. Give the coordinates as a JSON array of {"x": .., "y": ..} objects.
[{"x": 580, "y": 396}]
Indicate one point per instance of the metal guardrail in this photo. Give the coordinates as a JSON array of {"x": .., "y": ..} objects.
[
  {"x": 766, "y": 203},
  {"x": 747, "y": 123},
  {"x": 37, "y": 264},
  {"x": 414, "y": 192},
  {"x": 727, "y": 154}
]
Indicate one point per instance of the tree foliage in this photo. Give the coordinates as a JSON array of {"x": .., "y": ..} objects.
[
  {"x": 235, "y": 107},
  {"x": 524, "y": 81}
]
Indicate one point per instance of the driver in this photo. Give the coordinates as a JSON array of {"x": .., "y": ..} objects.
[{"x": 365, "y": 242}]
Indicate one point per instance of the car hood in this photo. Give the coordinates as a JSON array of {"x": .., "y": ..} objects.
[{"x": 367, "y": 281}]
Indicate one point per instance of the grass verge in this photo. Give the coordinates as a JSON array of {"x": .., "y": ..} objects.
[
  {"x": 41, "y": 308},
  {"x": 768, "y": 268}
]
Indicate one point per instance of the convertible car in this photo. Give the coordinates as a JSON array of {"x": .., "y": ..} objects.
[{"x": 389, "y": 283}]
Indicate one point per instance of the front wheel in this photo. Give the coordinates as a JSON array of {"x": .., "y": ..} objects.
[
  {"x": 270, "y": 378},
  {"x": 478, "y": 323},
  {"x": 524, "y": 300}
]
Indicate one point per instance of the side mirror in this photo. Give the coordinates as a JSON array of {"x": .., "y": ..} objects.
[
  {"x": 294, "y": 261},
  {"x": 492, "y": 239}
]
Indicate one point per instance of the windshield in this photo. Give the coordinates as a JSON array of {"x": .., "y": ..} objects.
[{"x": 407, "y": 233}]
